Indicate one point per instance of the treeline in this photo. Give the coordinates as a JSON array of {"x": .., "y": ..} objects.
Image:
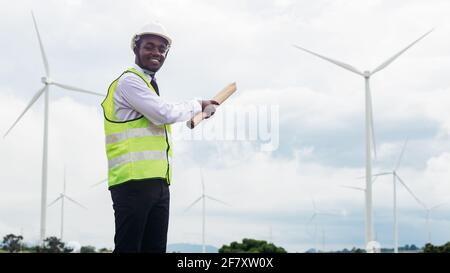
[
  {"x": 14, "y": 244},
  {"x": 429, "y": 248},
  {"x": 251, "y": 246},
  {"x": 407, "y": 248}
]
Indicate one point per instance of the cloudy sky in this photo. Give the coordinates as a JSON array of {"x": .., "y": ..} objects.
[{"x": 320, "y": 120}]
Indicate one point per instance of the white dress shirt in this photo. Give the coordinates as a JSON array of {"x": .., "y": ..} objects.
[{"x": 133, "y": 98}]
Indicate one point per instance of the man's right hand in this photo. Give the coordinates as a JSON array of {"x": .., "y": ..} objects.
[{"x": 209, "y": 107}]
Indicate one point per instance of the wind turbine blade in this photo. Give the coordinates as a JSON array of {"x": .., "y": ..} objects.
[
  {"x": 75, "y": 202},
  {"x": 338, "y": 63},
  {"x": 54, "y": 201},
  {"x": 390, "y": 60},
  {"x": 98, "y": 183},
  {"x": 374, "y": 176},
  {"x": 354, "y": 188},
  {"x": 314, "y": 204},
  {"x": 217, "y": 200},
  {"x": 378, "y": 175},
  {"x": 311, "y": 219},
  {"x": 44, "y": 57},
  {"x": 381, "y": 174},
  {"x": 64, "y": 185},
  {"x": 193, "y": 203},
  {"x": 203, "y": 181},
  {"x": 439, "y": 205},
  {"x": 410, "y": 192},
  {"x": 401, "y": 155},
  {"x": 372, "y": 128},
  {"x": 72, "y": 88},
  {"x": 33, "y": 100}
]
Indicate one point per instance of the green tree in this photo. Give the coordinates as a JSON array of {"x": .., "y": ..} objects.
[
  {"x": 357, "y": 250},
  {"x": 429, "y": 248},
  {"x": 53, "y": 245},
  {"x": 12, "y": 243},
  {"x": 87, "y": 249},
  {"x": 446, "y": 247},
  {"x": 104, "y": 250},
  {"x": 251, "y": 246}
]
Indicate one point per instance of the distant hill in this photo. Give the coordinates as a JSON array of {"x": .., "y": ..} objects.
[
  {"x": 190, "y": 248},
  {"x": 311, "y": 250}
]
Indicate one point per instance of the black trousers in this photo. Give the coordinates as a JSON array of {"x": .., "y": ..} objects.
[{"x": 141, "y": 211}]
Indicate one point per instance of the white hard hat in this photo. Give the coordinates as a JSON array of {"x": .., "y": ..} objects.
[{"x": 154, "y": 28}]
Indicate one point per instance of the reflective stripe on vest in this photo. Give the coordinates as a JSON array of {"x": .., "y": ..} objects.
[
  {"x": 136, "y": 156},
  {"x": 136, "y": 149},
  {"x": 135, "y": 132}
]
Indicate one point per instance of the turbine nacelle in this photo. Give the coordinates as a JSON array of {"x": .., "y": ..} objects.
[
  {"x": 47, "y": 80},
  {"x": 367, "y": 74}
]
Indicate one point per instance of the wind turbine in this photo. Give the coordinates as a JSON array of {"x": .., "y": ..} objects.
[
  {"x": 363, "y": 190},
  {"x": 323, "y": 239},
  {"x": 394, "y": 183},
  {"x": 428, "y": 216},
  {"x": 369, "y": 134},
  {"x": 316, "y": 213},
  {"x": 62, "y": 197},
  {"x": 203, "y": 198},
  {"x": 428, "y": 210},
  {"x": 395, "y": 177},
  {"x": 47, "y": 81}
]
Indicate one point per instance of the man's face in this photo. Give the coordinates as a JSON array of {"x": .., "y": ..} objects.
[{"x": 151, "y": 52}]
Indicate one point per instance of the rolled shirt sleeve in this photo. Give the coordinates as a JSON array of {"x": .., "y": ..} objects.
[{"x": 133, "y": 98}]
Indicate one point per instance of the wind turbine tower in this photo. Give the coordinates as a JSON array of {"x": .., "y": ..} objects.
[
  {"x": 62, "y": 197},
  {"x": 316, "y": 213},
  {"x": 428, "y": 211},
  {"x": 395, "y": 177},
  {"x": 203, "y": 198}
]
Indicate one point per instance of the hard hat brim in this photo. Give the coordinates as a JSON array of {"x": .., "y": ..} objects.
[{"x": 133, "y": 43}]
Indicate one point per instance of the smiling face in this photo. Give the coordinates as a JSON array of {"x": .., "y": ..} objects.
[{"x": 151, "y": 52}]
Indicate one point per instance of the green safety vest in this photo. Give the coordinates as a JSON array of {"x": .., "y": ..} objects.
[{"x": 136, "y": 149}]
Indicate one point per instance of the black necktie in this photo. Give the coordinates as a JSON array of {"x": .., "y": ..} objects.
[{"x": 155, "y": 86}]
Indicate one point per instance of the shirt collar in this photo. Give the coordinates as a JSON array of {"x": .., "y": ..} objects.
[{"x": 150, "y": 75}]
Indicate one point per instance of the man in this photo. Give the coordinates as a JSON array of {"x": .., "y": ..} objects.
[{"x": 138, "y": 145}]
